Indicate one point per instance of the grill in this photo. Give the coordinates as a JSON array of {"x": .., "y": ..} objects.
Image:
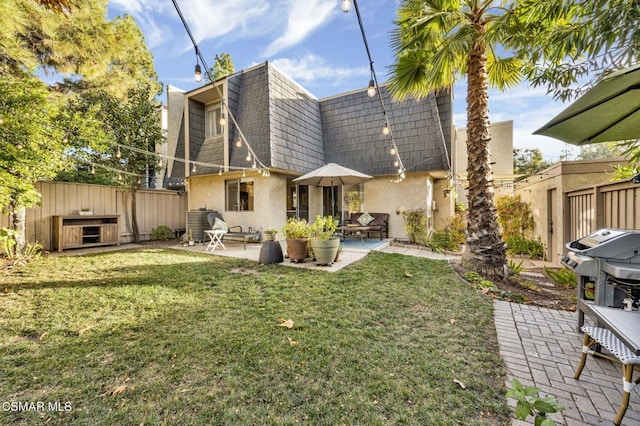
[{"x": 607, "y": 264}]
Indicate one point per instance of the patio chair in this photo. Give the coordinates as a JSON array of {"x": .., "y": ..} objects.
[{"x": 233, "y": 232}]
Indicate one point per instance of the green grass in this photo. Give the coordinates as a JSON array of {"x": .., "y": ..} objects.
[{"x": 167, "y": 337}]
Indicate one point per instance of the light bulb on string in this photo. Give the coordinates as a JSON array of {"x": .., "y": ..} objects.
[
  {"x": 197, "y": 74},
  {"x": 223, "y": 120},
  {"x": 238, "y": 142},
  {"x": 248, "y": 158},
  {"x": 118, "y": 153},
  {"x": 392, "y": 151},
  {"x": 254, "y": 165},
  {"x": 119, "y": 177},
  {"x": 396, "y": 163},
  {"x": 93, "y": 170},
  {"x": 371, "y": 91},
  {"x": 220, "y": 172},
  {"x": 385, "y": 130},
  {"x": 345, "y": 5},
  {"x": 193, "y": 169},
  {"x": 244, "y": 174},
  {"x": 159, "y": 162}
]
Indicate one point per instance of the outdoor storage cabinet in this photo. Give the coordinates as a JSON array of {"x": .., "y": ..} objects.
[{"x": 76, "y": 231}]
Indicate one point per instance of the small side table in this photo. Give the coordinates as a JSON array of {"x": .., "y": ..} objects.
[{"x": 216, "y": 239}]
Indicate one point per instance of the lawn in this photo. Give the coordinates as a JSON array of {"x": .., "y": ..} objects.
[{"x": 158, "y": 336}]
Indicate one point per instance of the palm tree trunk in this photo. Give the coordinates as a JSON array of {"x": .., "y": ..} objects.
[{"x": 485, "y": 251}]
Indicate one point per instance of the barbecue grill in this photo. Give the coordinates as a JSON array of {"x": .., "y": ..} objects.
[{"x": 607, "y": 264}]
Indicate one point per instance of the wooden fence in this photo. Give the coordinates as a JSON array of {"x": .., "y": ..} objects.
[
  {"x": 154, "y": 208},
  {"x": 613, "y": 205}
]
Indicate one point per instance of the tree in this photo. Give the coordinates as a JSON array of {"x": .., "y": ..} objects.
[
  {"x": 529, "y": 161},
  {"x": 435, "y": 41},
  {"x": 32, "y": 144},
  {"x": 90, "y": 51},
  {"x": 133, "y": 130},
  {"x": 601, "y": 150},
  {"x": 571, "y": 44},
  {"x": 222, "y": 66}
]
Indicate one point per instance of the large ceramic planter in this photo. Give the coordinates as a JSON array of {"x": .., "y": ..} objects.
[
  {"x": 325, "y": 250},
  {"x": 270, "y": 253},
  {"x": 297, "y": 249}
]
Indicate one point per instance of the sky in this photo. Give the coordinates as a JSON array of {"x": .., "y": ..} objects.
[{"x": 317, "y": 45}]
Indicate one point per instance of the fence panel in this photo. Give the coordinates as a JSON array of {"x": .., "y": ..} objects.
[
  {"x": 154, "y": 208},
  {"x": 616, "y": 205}
]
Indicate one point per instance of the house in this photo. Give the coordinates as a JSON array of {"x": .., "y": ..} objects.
[
  {"x": 501, "y": 151},
  {"x": 290, "y": 132}
]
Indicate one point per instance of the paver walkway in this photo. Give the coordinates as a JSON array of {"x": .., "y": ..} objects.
[{"x": 541, "y": 347}]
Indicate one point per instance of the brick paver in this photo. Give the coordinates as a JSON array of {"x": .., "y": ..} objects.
[{"x": 541, "y": 347}]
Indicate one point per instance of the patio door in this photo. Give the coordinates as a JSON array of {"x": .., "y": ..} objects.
[{"x": 297, "y": 200}]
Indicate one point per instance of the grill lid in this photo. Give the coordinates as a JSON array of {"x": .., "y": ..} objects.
[{"x": 608, "y": 243}]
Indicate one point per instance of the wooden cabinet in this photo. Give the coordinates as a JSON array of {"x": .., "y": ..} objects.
[{"x": 85, "y": 231}]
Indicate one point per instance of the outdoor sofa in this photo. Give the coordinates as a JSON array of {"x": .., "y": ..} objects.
[
  {"x": 378, "y": 224},
  {"x": 234, "y": 232}
]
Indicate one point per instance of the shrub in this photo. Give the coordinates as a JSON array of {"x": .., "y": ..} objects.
[
  {"x": 162, "y": 232},
  {"x": 415, "y": 223},
  {"x": 519, "y": 245},
  {"x": 565, "y": 277},
  {"x": 515, "y": 217}
]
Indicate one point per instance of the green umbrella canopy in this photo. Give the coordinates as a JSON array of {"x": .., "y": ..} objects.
[{"x": 610, "y": 111}]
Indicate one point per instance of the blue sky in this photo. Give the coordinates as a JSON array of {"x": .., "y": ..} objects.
[{"x": 316, "y": 44}]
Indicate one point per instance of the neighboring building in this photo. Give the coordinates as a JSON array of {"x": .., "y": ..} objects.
[
  {"x": 546, "y": 192},
  {"x": 292, "y": 133},
  {"x": 501, "y": 157}
]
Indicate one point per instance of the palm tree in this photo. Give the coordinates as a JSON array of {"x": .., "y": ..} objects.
[
  {"x": 59, "y": 6},
  {"x": 436, "y": 41}
]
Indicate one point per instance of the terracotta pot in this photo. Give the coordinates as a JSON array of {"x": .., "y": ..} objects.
[{"x": 297, "y": 249}]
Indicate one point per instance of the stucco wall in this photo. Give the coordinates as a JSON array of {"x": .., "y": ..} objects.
[
  {"x": 383, "y": 196},
  {"x": 501, "y": 150},
  {"x": 269, "y": 192},
  {"x": 563, "y": 177}
]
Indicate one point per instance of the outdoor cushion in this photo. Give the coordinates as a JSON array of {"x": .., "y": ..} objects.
[
  {"x": 365, "y": 219},
  {"x": 220, "y": 224}
]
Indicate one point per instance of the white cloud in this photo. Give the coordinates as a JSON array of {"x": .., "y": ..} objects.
[
  {"x": 304, "y": 18},
  {"x": 310, "y": 68}
]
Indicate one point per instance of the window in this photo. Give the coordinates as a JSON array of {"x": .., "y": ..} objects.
[
  {"x": 212, "y": 126},
  {"x": 239, "y": 194}
]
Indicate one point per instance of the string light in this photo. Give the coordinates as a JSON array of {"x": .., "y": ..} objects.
[
  {"x": 118, "y": 153},
  {"x": 93, "y": 170},
  {"x": 248, "y": 158},
  {"x": 345, "y": 6},
  {"x": 239, "y": 143},
  {"x": 223, "y": 120},
  {"x": 374, "y": 89},
  {"x": 371, "y": 91},
  {"x": 193, "y": 168},
  {"x": 207, "y": 70}
]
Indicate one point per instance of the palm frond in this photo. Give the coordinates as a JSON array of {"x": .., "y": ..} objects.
[{"x": 504, "y": 73}]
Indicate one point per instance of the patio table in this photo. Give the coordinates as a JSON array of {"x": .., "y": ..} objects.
[
  {"x": 350, "y": 230},
  {"x": 618, "y": 331}
]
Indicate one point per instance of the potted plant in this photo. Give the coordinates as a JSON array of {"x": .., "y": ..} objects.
[
  {"x": 324, "y": 244},
  {"x": 188, "y": 238},
  {"x": 270, "y": 251},
  {"x": 296, "y": 231},
  {"x": 270, "y": 234}
]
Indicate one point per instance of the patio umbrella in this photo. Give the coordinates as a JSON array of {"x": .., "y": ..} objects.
[
  {"x": 332, "y": 174},
  {"x": 610, "y": 111}
]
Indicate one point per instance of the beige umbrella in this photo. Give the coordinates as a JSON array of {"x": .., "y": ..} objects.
[{"x": 332, "y": 174}]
